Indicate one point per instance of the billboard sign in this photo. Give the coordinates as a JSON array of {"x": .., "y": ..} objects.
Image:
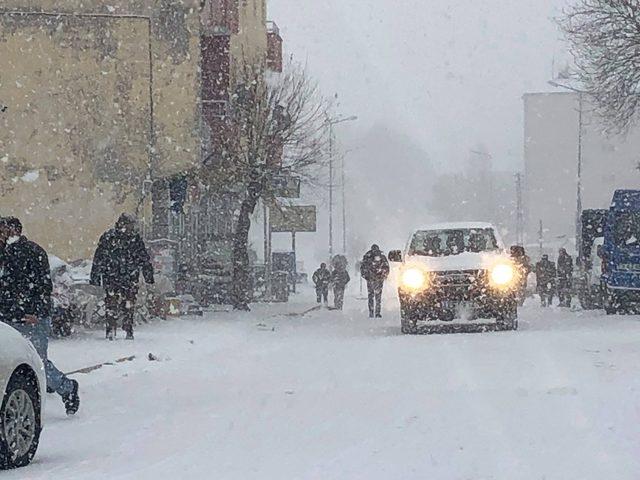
[{"x": 293, "y": 219}]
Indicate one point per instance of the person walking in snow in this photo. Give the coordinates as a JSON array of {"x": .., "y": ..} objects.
[
  {"x": 565, "y": 277},
  {"x": 339, "y": 279},
  {"x": 545, "y": 280},
  {"x": 120, "y": 257},
  {"x": 322, "y": 279},
  {"x": 26, "y": 305},
  {"x": 375, "y": 270}
]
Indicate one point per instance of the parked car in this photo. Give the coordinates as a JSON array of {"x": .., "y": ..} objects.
[
  {"x": 23, "y": 384},
  {"x": 457, "y": 271}
]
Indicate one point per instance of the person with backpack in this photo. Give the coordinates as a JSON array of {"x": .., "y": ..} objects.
[
  {"x": 339, "y": 279},
  {"x": 375, "y": 270},
  {"x": 545, "y": 279}
]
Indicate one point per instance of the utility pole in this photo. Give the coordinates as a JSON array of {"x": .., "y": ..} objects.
[
  {"x": 267, "y": 249},
  {"x": 579, "y": 192},
  {"x": 520, "y": 214},
  {"x": 344, "y": 208},
  {"x": 541, "y": 238},
  {"x": 295, "y": 259},
  {"x": 579, "y": 167}
]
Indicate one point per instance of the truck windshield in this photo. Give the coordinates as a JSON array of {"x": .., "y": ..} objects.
[
  {"x": 627, "y": 229},
  {"x": 442, "y": 243}
]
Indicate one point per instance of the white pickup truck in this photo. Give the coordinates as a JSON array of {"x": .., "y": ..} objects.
[{"x": 457, "y": 277}]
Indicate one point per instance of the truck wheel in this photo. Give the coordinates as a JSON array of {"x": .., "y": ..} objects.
[
  {"x": 409, "y": 326},
  {"x": 507, "y": 317},
  {"x": 611, "y": 303}
]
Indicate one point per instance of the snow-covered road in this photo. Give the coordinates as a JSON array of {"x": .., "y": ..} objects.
[{"x": 338, "y": 396}]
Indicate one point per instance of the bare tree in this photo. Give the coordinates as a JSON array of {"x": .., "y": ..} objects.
[
  {"x": 276, "y": 127},
  {"x": 605, "y": 41}
]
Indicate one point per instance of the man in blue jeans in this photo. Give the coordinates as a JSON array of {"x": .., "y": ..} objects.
[{"x": 25, "y": 302}]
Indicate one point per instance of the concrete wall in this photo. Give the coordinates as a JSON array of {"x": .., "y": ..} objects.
[
  {"x": 78, "y": 136},
  {"x": 551, "y": 152}
]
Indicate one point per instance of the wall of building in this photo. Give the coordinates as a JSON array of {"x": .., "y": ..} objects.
[
  {"x": 96, "y": 101},
  {"x": 551, "y": 153}
]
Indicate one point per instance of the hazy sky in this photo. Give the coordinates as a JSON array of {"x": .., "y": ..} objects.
[{"x": 449, "y": 74}]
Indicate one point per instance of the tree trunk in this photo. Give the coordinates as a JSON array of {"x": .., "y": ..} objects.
[{"x": 242, "y": 289}]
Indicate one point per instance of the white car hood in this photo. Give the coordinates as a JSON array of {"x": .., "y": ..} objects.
[{"x": 464, "y": 261}]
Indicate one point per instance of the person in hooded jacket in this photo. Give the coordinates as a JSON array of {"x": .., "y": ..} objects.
[
  {"x": 26, "y": 305},
  {"x": 118, "y": 261},
  {"x": 321, "y": 279},
  {"x": 375, "y": 270},
  {"x": 565, "y": 277}
]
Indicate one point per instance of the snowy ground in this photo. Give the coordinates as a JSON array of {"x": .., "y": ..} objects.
[{"x": 338, "y": 396}]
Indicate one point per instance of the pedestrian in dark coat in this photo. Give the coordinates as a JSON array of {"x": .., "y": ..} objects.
[
  {"x": 322, "y": 279},
  {"x": 375, "y": 270},
  {"x": 339, "y": 279},
  {"x": 545, "y": 279},
  {"x": 565, "y": 277},
  {"x": 119, "y": 259},
  {"x": 25, "y": 302}
]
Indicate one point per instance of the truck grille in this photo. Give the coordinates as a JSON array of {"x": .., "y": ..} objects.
[{"x": 458, "y": 279}]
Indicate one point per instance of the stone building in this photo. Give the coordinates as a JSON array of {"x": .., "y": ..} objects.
[{"x": 101, "y": 108}]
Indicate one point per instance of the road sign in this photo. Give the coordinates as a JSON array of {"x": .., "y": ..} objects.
[
  {"x": 293, "y": 219},
  {"x": 286, "y": 187}
]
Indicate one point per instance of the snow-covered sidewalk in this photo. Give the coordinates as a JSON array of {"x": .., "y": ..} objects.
[{"x": 335, "y": 395}]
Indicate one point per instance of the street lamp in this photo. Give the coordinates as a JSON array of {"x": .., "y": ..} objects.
[
  {"x": 579, "y": 179},
  {"x": 331, "y": 122}
]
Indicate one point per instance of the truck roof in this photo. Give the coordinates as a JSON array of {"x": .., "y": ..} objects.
[{"x": 626, "y": 200}]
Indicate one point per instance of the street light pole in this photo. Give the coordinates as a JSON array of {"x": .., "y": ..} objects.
[
  {"x": 579, "y": 166},
  {"x": 331, "y": 122},
  {"x": 330, "y": 190}
]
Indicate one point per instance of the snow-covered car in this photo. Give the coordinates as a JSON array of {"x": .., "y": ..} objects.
[
  {"x": 23, "y": 384},
  {"x": 457, "y": 277}
]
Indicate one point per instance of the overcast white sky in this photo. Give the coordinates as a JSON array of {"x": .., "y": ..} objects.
[{"x": 449, "y": 74}]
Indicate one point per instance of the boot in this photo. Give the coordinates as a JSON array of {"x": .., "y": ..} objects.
[
  {"x": 72, "y": 400},
  {"x": 129, "y": 331},
  {"x": 111, "y": 334}
]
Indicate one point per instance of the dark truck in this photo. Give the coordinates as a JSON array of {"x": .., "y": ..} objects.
[
  {"x": 621, "y": 253},
  {"x": 618, "y": 289}
]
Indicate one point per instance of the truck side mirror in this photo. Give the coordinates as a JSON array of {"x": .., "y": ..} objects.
[{"x": 395, "y": 256}]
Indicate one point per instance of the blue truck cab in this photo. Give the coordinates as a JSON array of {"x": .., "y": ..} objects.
[{"x": 621, "y": 253}]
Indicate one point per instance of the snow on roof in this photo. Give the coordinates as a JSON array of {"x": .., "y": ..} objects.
[{"x": 457, "y": 225}]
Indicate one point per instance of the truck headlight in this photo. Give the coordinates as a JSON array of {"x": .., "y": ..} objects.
[
  {"x": 413, "y": 279},
  {"x": 503, "y": 275}
]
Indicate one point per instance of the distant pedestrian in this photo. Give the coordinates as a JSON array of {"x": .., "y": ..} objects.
[
  {"x": 322, "y": 279},
  {"x": 26, "y": 305},
  {"x": 119, "y": 259},
  {"x": 339, "y": 279},
  {"x": 523, "y": 265},
  {"x": 375, "y": 270},
  {"x": 565, "y": 277},
  {"x": 545, "y": 280}
]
